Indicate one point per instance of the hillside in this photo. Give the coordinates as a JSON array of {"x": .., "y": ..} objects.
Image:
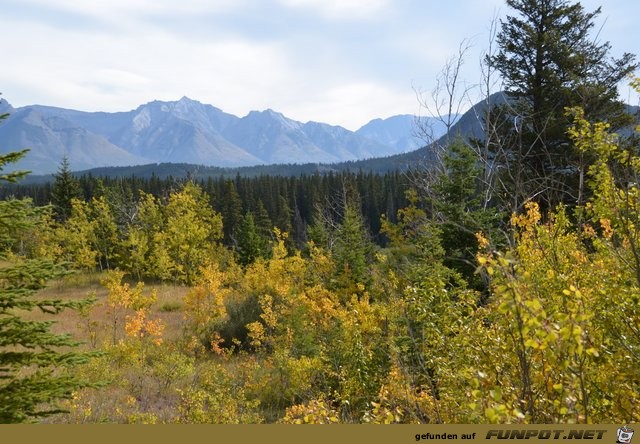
[{"x": 187, "y": 131}]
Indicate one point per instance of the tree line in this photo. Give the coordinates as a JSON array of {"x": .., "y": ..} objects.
[{"x": 290, "y": 203}]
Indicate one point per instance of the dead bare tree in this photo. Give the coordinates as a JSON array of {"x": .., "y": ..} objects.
[
  {"x": 441, "y": 106},
  {"x": 488, "y": 86},
  {"x": 445, "y": 102}
]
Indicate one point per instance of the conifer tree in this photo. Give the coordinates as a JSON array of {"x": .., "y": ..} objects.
[
  {"x": 30, "y": 356},
  {"x": 232, "y": 211},
  {"x": 283, "y": 214},
  {"x": 30, "y": 353},
  {"x": 352, "y": 249},
  {"x": 321, "y": 230},
  {"x": 549, "y": 60},
  {"x": 65, "y": 188},
  {"x": 263, "y": 221},
  {"x": 250, "y": 243},
  {"x": 458, "y": 209}
]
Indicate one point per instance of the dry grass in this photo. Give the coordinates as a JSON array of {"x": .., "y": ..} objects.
[
  {"x": 134, "y": 392},
  {"x": 94, "y": 327}
]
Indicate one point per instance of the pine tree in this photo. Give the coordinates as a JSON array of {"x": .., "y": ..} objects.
[
  {"x": 321, "y": 230},
  {"x": 549, "y": 60},
  {"x": 263, "y": 221},
  {"x": 11, "y": 157},
  {"x": 251, "y": 245},
  {"x": 30, "y": 354},
  {"x": 283, "y": 215},
  {"x": 231, "y": 212},
  {"x": 458, "y": 209},
  {"x": 31, "y": 380},
  {"x": 65, "y": 188},
  {"x": 352, "y": 249}
]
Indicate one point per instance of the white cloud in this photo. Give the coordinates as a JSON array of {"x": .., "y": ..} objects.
[
  {"x": 342, "y": 9},
  {"x": 108, "y": 71},
  {"x": 351, "y": 105},
  {"x": 112, "y": 72},
  {"x": 114, "y": 8},
  {"x": 124, "y": 16},
  {"x": 114, "y": 55}
]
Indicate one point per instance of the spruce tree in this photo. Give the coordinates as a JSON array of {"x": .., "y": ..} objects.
[
  {"x": 353, "y": 249},
  {"x": 250, "y": 243},
  {"x": 231, "y": 211},
  {"x": 31, "y": 360},
  {"x": 30, "y": 354},
  {"x": 65, "y": 188},
  {"x": 263, "y": 221},
  {"x": 459, "y": 212},
  {"x": 549, "y": 59}
]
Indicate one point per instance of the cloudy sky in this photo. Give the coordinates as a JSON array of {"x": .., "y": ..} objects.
[{"x": 343, "y": 62}]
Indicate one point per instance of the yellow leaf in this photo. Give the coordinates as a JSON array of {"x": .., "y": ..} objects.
[{"x": 593, "y": 352}]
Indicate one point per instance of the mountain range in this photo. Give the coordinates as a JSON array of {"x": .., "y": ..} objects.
[{"x": 187, "y": 131}]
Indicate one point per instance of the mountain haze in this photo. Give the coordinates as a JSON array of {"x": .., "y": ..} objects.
[
  {"x": 50, "y": 137},
  {"x": 187, "y": 131},
  {"x": 397, "y": 131}
]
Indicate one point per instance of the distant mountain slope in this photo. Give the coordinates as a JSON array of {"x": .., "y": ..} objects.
[
  {"x": 182, "y": 131},
  {"x": 397, "y": 131},
  {"x": 273, "y": 138},
  {"x": 326, "y": 137},
  {"x": 187, "y": 131},
  {"x": 50, "y": 138},
  {"x": 5, "y": 107},
  {"x": 269, "y": 125}
]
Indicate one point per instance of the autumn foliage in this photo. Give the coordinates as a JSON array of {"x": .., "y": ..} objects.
[{"x": 349, "y": 332}]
